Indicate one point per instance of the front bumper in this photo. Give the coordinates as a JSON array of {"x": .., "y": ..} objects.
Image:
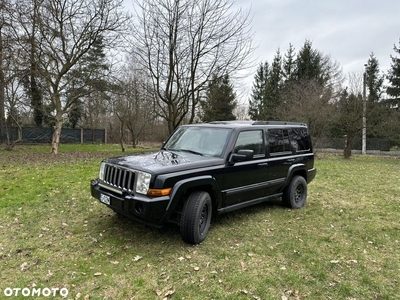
[{"x": 150, "y": 211}]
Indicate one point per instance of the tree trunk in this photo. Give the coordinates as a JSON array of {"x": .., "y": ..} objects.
[
  {"x": 2, "y": 83},
  {"x": 55, "y": 141},
  {"x": 121, "y": 136},
  {"x": 348, "y": 144}
]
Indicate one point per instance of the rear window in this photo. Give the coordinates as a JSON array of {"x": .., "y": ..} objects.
[
  {"x": 300, "y": 139},
  {"x": 278, "y": 140}
]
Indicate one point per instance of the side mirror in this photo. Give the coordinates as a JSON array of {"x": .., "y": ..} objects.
[{"x": 242, "y": 155}]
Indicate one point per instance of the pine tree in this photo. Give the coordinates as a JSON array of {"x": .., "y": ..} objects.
[
  {"x": 310, "y": 65},
  {"x": 374, "y": 79},
  {"x": 289, "y": 64},
  {"x": 220, "y": 100},
  {"x": 256, "y": 103},
  {"x": 88, "y": 79},
  {"x": 273, "y": 87},
  {"x": 393, "y": 90}
]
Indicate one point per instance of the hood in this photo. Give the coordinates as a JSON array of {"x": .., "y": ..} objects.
[{"x": 165, "y": 161}]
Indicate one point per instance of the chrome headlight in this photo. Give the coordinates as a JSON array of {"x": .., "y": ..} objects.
[
  {"x": 102, "y": 170},
  {"x": 142, "y": 182}
]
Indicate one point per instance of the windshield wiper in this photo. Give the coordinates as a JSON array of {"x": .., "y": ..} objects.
[{"x": 190, "y": 151}]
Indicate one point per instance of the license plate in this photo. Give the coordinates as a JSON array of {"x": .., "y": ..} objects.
[{"x": 105, "y": 199}]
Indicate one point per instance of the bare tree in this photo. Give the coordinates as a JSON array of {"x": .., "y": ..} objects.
[
  {"x": 10, "y": 89},
  {"x": 66, "y": 31},
  {"x": 134, "y": 107},
  {"x": 182, "y": 43},
  {"x": 309, "y": 102},
  {"x": 4, "y": 24},
  {"x": 13, "y": 96}
]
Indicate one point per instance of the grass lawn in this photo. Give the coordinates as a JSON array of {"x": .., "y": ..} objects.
[{"x": 344, "y": 244}]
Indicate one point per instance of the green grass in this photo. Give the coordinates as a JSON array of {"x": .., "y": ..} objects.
[{"x": 344, "y": 244}]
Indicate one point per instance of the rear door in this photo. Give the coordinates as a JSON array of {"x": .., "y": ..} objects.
[{"x": 280, "y": 158}]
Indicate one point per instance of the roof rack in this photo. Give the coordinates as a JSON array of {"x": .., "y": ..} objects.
[
  {"x": 276, "y": 123},
  {"x": 257, "y": 123}
]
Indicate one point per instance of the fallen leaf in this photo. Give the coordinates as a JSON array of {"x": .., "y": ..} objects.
[
  {"x": 97, "y": 274},
  {"x": 169, "y": 293},
  {"x": 352, "y": 261},
  {"x": 114, "y": 262},
  {"x": 23, "y": 266},
  {"x": 137, "y": 258},
  {"x": 335, "y": 261}
]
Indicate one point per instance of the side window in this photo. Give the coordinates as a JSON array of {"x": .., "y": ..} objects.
[
  {"x": 251, "y": 140},
  {"x": 300, "y": 139},
  {"x": 278, "y": 140}
]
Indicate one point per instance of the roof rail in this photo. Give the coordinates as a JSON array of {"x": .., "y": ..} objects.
[
  {"x": 277, "y": 123},
  {"x": 239, "y": 122}
]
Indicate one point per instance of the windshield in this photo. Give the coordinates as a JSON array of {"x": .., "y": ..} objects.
[{"x": 198, "y": 140}]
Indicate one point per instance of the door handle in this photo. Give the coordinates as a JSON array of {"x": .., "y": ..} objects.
[{"x": 263, "y": 164}]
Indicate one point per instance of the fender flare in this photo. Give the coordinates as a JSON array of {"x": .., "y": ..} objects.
[
  {"x": 181, "y": 186},
  {"x": 292, "y": 170}
]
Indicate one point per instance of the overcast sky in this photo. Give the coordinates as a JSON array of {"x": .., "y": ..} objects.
[{"x": 346, "y": 30}]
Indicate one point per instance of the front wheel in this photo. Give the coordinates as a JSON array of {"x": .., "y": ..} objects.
[
  {"x": 196, "y": 217},
  {"x": 295, "y": 194}
]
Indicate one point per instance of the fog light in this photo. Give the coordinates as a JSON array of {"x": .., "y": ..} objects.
[{"x": 139, "y": 208}]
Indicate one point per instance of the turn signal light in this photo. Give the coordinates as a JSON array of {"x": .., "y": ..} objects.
[{"x": 158, "y": 192}]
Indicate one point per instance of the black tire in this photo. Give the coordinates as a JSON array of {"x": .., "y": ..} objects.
[
  {"x": 196, "y": 217},
  {"x": 295, "y": 194}
]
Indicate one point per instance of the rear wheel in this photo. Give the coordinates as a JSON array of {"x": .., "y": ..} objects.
[
  {"x": 295, "y": 194},
  {"x": 196, "y": 217}
]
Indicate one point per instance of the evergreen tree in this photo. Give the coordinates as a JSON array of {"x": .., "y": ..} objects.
[
  {"x": 88, "y": 79},
  {"x": 393, "y": 90},
  {"x": 220, "y": 100},
  {"x": 256, "y": 102},
  {"x": 273, "y": 88},
  {"x": 374, "y": 79},
  {"x": 311, "y": 65},
  {"x": 75, "y": 114},
  {"x": 289, "y": 63}
]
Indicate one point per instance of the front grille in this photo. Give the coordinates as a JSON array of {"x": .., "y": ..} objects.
[{"x": 119, "y": 177}]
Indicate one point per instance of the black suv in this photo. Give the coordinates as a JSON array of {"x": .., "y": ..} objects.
[{"x": 208, "y": 169}]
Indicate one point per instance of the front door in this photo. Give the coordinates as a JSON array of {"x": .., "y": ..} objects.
[{"x": 247, "y": 180}]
